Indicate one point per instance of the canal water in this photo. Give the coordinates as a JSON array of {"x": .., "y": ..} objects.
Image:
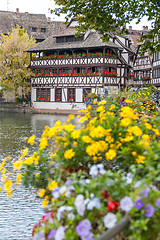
[{"x": 19, "y": 213}]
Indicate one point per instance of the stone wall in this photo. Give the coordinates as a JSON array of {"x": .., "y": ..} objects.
[{"x": 14, "y": 107}]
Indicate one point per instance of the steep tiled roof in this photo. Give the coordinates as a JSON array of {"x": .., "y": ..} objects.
[
  {"x": 9, "y": 20},
  {"x": 92, "y": 40}
]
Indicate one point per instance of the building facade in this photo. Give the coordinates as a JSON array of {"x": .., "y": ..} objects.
[
  {"x": 67, "y": 70},
  {"x": 37, "y": 25}
]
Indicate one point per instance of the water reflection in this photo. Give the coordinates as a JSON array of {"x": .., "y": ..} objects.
[{"x": 18, "y": 215}]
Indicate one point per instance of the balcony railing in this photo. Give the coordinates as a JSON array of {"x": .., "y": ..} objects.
[
  {"x": 75, "y": 61},
  {"x": 77, "y": 81}
]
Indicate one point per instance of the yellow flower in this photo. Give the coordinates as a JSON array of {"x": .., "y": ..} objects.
[
  {"x": 148, "y": 126},
  {"x": 134, "y": 154},
  {"x": 36, "y": 160},
  {"x": 156, "y": 131},
  {"x": 69, "y": 127},
  {"x": 4, "y": 171},
  {"x": 29, "y": 160},
  {"x": 98, "y": 132},
  {"x": 112, "y": 107},
  {"x": 135, "y": 130},
  {"x": 8, "y": 185},
  {"x": 87, "y": 139},
  {"x": 19, "y": 177},
  {"x": 44, "y": 203},
  {"x": 75, "y": 144},
  {"x": 102, "y": 102},
  {"x": 128, "y": 112},
  {"x": 70, "y": 117},
  {"x": 69, "y": 154},
  {"x": 128, "y": 101},
  {"x": 31, "y": 140},
  {"x": 95, "y": 158},
  {"x": 110, "y": 154},
  {"x": 140, "y": 159},
  {"x": 83, "y": 119},
  {"x": 24, "y": 152},
  {"x": 43, "y": 143},
  {"x": 92, "y": 149},
  {"x": 37, "y": 174},
  {"x": 125, "y": 122},
  {"x": 17, "y": 165},
  {"x": 75, "y": 134},
  {"x": 95, "y": 101},
  {"x": 42, "y": 192},
  {"x": 52, "y": 185},
  {"x": 2, "y": 164},
  {"x": 100, "y": 109},
  {"x": 145, "y": 137}
]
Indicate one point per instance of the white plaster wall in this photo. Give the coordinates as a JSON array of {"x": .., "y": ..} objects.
[
  {"x": 58, "y": 105},
  {"x": 79, "y": 93},
  {"x": 64, "y": 95},
  {"x": 52, "y": 98},
  {"x": 33, "y": 94}
]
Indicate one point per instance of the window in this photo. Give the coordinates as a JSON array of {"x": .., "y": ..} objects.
[
  {"x": 34, "y": 29},
  {"x": 43, "y": 94},
  {"x": 86, "y": 91},
  {"x": 60, "y": 39},
  {"x": 43, "y": 30},
  {"x": 71, "y": 94},
  {"x": 58, "y": 95},
  {"x": 38, "y": 72},
  {"x": 70, "y": 38}
]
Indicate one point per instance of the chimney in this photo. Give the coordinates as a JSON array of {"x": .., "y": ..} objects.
[
  {"x": 17, "y": 11},
  {"x": 130, "y": 28},
  {"x": 145, "y": 28}
]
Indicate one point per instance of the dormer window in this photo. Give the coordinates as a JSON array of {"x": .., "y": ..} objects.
[
  {"x": 70, "y": 38},
  {"x": 34, "y": 29},
  {"x": 43, "y": 30}
]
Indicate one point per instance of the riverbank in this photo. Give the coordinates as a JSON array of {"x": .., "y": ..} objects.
[{"x": 19, "y": 107}]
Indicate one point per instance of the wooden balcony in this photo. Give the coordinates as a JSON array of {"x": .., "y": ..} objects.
[
  {"x": 143, "y": 83},
  {"x": 74, "y": 61},
  {"x": 76, "y": 81}
]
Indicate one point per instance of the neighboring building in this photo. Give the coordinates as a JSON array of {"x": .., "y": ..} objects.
[
  {"x": 156, "y": 68},
  {"x": 67, "y": 69},
  {"x": 142, "y": 68},
  {"x": 36, "y": 25}
]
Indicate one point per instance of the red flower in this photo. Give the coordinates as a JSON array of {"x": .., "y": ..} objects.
[
  {"x": 112, "y": 205},
  {"x": 105, "y": 194}
]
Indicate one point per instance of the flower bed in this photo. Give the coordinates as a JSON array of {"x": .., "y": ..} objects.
[{"x": 90, "y": 177}]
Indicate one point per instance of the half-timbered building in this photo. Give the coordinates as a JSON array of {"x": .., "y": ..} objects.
[{"x": 67, "y": 68}]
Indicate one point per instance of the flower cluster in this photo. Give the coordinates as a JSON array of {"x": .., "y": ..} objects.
[
  {"x": 87, "y": 170},
  {"x": 112, "y": 74},
  {"x": 42, "y": 99}
]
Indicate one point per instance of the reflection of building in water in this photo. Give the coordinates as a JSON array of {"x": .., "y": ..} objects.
[{"x": 39, "y": 121}]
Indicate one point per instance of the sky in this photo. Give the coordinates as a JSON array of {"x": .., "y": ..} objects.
[{"x": 43, "y": 6}]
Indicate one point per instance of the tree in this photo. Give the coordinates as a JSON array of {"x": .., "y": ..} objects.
[
  {"x": 14, "y": 61},
  {"x": 106, "y": 16}
]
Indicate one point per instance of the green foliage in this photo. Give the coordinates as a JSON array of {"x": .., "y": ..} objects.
[
  {"x": 14, "y": 61},
  {"x": 106, "y": 16}
]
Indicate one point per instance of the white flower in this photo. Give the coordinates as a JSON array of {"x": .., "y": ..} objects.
[
  {"x": 126, "y": 204},
  {"x": 137, "y": 184},
  {"x": 71, "y": 216},
  {"x": 79, "y": 198},
  {"x": 80, "y": 205},
  {"x": 94, "y": 203},
  {"x": 109, "y": 220},
  {"x": 62, "y": 209},
  {"x": 60, "y": 233},
  {"x": 93, "y": 171},
  {"x": 63, "y": 189},
  {"x": 128, "y": 178}
]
